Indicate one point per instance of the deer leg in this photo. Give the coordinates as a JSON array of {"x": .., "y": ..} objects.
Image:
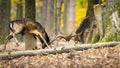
[
  {"x": 45, "y": 43},
  {"x": 8, "y": 39},
  {"x": 16, "y": 41},
  {"x": 40, "y": 36}
]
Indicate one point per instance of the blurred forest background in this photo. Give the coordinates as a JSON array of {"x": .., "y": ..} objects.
[
  {"x": 47, "y": 12},
  {"x": 95, "y": 21},
  {"x": 64, "y": 16}
]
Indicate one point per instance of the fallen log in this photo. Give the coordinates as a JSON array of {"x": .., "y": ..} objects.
[{"x": 62, "y": 49}]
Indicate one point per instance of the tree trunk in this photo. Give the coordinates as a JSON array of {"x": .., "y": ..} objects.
[
  {"x": 62, "y": 49},
  {"x": 111, "y": 20},
  {"x": 59, "y": 6},
  {"x": 4, "y": 19},
  {"x": 55, "y": 16},
  {"x": 65, "y": 16},
  {"x": 50, "y": 17},
  {"x": 90, "y": 11},
  {"x": 71, "y": 17},
  {"x": 98, "y": 16},
  {"x": 91, "y": 34},
  {"x": 43, "y": 12},
  {"x": 19, "y": 12},
  {"x": 19, "y": 15},
  {"x": 30, "y": 11}
]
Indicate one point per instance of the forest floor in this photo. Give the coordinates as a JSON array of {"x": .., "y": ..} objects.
[{"x": 108, "y": 57}]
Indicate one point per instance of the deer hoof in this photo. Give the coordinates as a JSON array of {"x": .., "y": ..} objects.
[{"x": 17, "y": 44}]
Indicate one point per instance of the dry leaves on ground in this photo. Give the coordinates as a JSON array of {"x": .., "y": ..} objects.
[{"x": 93, "y": 58}]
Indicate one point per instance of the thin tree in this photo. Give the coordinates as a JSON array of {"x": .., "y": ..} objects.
[
  {"x": 91, "y": 34},
  {"x": 19, "y": 15},
  {"x": 5, "y": 6},
  {"x": 43, "y": 12},
  {"x": 65, "y": 14},
  {"x": 50, "y": 17},
  {"x": 71, "y": 17},
  {"x": 30, "y": 11},
  {"x": 59, "y": 6},
  {"x": 90, "y": 10}
]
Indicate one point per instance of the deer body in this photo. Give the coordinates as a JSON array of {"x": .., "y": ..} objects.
[{"x": 29, "y": 26}]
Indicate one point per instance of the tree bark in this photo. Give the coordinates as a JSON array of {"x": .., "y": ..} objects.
[
  {"x": 19, "y": 15},
  {"x": 43, "y": 12},
  {"x": 59, "y": 6},
  {"x": 65, "y": 16},
  {"x": 5, "y": 6},
  {"x": 98, "y": 16},
  {"x": 71, "y": 17},
  {"x": 90, "y": 10},
  {"x": 91, "y": 34},
  {"x": 19, "y": 11},
  {"x": 111, "y": 20},
  {"x": 30, "y": 11},
  {"x": 55, "y": 16},
  {"x": 63, "y": 49},
  {"x": 50, "y": 17}
]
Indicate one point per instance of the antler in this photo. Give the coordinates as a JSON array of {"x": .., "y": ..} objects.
[{"x": 65, "y": 36}]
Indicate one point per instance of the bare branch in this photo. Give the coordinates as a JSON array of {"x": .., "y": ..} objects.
[{"x": 61, "y": 49}]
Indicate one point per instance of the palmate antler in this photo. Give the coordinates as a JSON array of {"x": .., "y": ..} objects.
[{"x": 66, "y": 37}]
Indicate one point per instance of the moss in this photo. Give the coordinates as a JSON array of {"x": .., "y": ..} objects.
[
  {"x": 117, "y": 7},
  {"x": 107, "y": 23},
  {"x": 111, "y": 37},
  {"x": 110, "y": 33}
]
